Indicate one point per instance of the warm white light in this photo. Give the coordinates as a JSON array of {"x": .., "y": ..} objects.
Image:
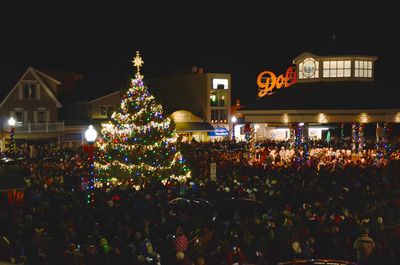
[
  {"x": 285, "y": 118},
  {"x": 11, "y": 121},
  {"x": 90, "y": 134},
  {"x": 364, "y": 118},
  {"x": 233, "y": 119},
  {"x": 322, "y": 118},
  {"x": 218, "y": 81},
  {"x": 397, "y": 118},
  {"x": 301, "y": 124}
]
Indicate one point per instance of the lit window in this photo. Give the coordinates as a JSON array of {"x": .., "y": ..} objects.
[
  {"x": 336, "y": 68},
  {"x": 105, "y": 110},
  {"x": 363, "y": 69},
  {"x": 218, "y": 83},
  {"x": 308, "y": 69},
  {"x": 213, "y": 100}
]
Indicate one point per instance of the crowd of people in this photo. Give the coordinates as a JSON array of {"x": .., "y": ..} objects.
[{"x": 333, "y": 204}]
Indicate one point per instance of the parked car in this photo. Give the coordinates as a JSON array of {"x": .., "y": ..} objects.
[{"x": 192, "y": 206}]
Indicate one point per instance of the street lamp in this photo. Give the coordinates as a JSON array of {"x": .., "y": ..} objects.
[
  {"x": 12, "y": 122},
  {"x": 90, "y": 136},
  {"x": 233, "y": 120}
]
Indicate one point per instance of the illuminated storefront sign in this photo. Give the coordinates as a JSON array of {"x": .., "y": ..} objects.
[
  {"x": 219, "y": 132},
  {"x": 267, "y": 81}
]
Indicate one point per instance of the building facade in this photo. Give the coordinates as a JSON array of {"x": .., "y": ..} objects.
[
  {"x": 323, "y": 94},
  {"x": 32, "y": 102},
  {"x": 205, "y": 95}
]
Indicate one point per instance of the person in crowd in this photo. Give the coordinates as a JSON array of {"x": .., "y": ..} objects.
[{"x": 364, "y": 245}]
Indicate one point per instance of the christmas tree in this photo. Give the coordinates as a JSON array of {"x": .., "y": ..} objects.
[{"x": 139, "y": 141}]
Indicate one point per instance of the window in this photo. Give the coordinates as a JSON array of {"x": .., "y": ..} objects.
[
  {"x": 219, "y": 116},
  {"x": 222, "y": 101},
  {"x": 29, "y": 90},
  {"x": 19, "y": 116},
  {"x": 337, "y": 68},
  {"x": 214, "y": 115},
  {"x": 223, "y": 114},
  {"x": 363, "y": 69},
  {"x": 218, "y": 83},
  {"x": 41, "y": 116},
  {"x": 105, "y": 110},
  {"x": 213, "y": 99},
  {"x": 309, "y": 68},
  {"x": 218, "y": 98}
]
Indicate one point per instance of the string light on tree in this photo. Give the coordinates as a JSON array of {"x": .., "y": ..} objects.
[{"x": 139, "y": 141}]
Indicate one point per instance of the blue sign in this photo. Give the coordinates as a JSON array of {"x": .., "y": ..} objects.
[{"x": 219, "y": 132}]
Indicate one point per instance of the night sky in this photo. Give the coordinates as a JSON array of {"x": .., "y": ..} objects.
[{"x": 99, "y": 40}]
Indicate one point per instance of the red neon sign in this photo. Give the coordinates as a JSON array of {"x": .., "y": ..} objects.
[{"x": 267, "y": 81}]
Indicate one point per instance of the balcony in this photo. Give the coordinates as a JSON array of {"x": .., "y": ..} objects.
[{"x": 35, "y": 127}]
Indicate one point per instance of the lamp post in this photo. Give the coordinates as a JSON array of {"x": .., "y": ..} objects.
[
  {"x": 90, "y": 136},
  {"x": 12, "y": 122},
  {"x": 233, "y": 120}
]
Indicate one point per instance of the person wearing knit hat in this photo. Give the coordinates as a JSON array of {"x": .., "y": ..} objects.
[{"x": 180, "y": 255}]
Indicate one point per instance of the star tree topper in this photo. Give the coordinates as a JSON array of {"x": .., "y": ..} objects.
[{"x": 138, "y": 62}]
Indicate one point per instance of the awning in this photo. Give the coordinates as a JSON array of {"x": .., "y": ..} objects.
[
  {"x": 219, "y": 132},
  {"x": 193, "y": 127}
]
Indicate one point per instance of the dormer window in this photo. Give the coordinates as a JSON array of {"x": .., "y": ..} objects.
[
  {"x": 362, "y": 69},
  {"x": 309, "y": 68},
  {"x": 337, "y": 68},
  {"x": 314, "y": 68},
  {"x": 29, "y": 90}
]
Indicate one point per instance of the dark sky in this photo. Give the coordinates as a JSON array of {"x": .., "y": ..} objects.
[{"x": 99, "y": 40}]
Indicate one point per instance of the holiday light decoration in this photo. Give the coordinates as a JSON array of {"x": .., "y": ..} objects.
[
  {"x": 139, "y": 141},
  {"x": 387, "y": 131},
  {"x": 361, "y": 139},
  {"x": 292, "y": 130},
  {"x": 342, "y": 131},
  {"x": 354, "y": 137}
]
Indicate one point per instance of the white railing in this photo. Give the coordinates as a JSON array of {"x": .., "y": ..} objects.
[{"x": 35, "y": 127}]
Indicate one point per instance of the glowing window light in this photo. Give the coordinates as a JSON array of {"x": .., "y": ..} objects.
[{"x": 219, "y": 82}]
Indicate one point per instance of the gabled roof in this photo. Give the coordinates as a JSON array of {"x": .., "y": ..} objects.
[
  {"x": 102, "y": 97},
  {"x": 39, "y": 77}
]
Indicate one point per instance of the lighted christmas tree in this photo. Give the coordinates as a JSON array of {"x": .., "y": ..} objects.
[{"x": 139, "y": 141}]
